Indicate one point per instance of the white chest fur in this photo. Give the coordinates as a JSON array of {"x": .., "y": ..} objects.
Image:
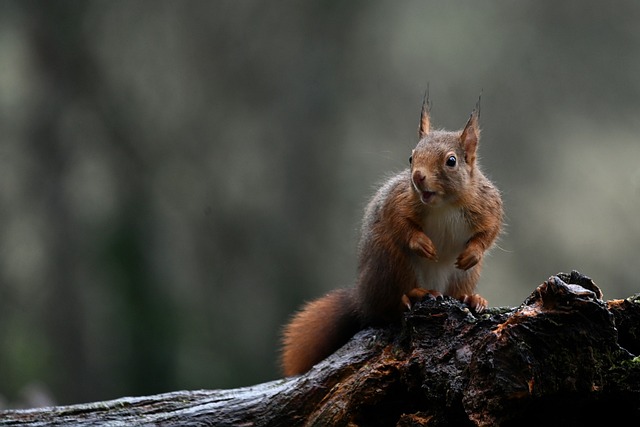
[{"x": 449, "y": 232}]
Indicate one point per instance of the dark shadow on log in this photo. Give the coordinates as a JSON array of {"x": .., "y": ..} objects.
[{"x": 564, "y": 357}]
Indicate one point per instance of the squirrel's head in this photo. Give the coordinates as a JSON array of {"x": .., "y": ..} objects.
[{"x": 443, "y": 162}]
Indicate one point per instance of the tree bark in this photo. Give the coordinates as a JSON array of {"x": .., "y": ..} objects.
[{"x": 563, "y": 357}]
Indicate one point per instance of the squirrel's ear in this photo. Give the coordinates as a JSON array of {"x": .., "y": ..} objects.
[
  {"x": 425, "y": 120},
  {"x": 470, "y": 137}
]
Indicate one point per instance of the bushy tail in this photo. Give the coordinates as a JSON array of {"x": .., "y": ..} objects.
[{"x": 319, "y": 329}]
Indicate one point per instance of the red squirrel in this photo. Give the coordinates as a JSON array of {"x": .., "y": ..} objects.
[{"x": 424, "y": 232}]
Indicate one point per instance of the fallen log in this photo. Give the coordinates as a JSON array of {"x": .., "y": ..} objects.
[{"x": 563, "y": 357}]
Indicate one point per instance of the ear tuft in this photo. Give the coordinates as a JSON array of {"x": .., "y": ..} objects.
[
  {"x": 425, "y": 119},
  {"x": 471, "y": 135}
]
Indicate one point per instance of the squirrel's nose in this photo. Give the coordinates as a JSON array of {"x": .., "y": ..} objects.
[{"x": 418, "y": 177}]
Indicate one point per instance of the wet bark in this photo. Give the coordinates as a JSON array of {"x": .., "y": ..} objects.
[{"x": 563, "y": 357}]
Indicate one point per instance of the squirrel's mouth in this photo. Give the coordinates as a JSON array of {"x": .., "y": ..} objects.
[{"x": 427, "y": 196}]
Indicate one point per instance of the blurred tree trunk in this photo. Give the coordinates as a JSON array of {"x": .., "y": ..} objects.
[
  {"x": 564, "y": 357},
  {"x": 75, "y": 80}
]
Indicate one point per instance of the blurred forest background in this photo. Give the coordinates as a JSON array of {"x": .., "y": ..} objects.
[{"x": 177, "y": 178}]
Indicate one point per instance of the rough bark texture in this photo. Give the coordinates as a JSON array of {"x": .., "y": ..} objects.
[{"x": 564, "y": 357}]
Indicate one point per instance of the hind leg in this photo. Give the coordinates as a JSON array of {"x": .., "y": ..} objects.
[{"x": 463, "y": 286}]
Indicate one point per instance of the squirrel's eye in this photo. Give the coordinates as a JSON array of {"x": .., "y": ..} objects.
[
  {"x": 451, "y": 161},
  {"x": 410, "y": 159}
]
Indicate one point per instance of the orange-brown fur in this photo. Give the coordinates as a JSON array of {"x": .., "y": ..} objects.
[
  {"x": 318, "y": 330},
  {"x": 424, "y": 232}
]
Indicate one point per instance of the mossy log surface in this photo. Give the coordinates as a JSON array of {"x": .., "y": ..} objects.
[{"x": 563, "y": 357}]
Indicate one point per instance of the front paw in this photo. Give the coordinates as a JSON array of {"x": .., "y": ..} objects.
[
  {"x": 469, "y": 257},
  {"x": 423, "y": 246}
]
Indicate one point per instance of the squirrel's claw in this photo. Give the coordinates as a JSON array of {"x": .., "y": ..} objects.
[
  {"x": 418, "y": 294},
  {"x": 476, "y": 302}
]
